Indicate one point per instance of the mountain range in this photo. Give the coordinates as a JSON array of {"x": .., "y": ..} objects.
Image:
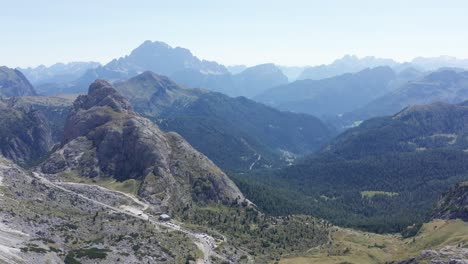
[
  {"x": 158, "y": 164},
  {"x": 97, "y": 194},
  {"x": 347, "y": 64},
  {"x": 236, "y": 133},
  {"x": 180, "y": 65},
  {"x": 445, "y": 85},
  {"x": 57, "y": 73},
  {"x": 383, "y": 175},
  {"x": 353, "y": 64},
  {"x": 99, "y": 173},
  {"x": 331, "y": 96}
]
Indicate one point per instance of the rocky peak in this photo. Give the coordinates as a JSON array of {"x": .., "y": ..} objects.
[
  {"x": 104, "y": 138},
  {"x": 101, "y": 93}
]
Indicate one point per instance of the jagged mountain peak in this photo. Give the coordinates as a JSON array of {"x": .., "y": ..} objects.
[
  {"x": 104, "y": 138},
  {"x": 101, "y": 93}
]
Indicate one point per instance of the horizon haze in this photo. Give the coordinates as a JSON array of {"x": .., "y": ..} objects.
[{"x": 244, "y": 32}]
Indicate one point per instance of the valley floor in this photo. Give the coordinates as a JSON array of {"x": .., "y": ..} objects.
[{"x": 439, "y": 239}]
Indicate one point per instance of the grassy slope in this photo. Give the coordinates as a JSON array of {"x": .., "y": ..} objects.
[
  {"x": 129, "y": 186},
  {"x": 369, "y": 248}
]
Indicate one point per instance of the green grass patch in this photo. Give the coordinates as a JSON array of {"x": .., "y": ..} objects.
[
  {"x": 130, "y": 186},
  {"x": 371, "y": 194},
  {"x": 90, "y": 253}
]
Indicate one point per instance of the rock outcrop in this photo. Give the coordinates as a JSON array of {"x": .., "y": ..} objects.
[
  {"x": 104, "y": 137},
  {"x": 31, "y": 126},
  {"x": 454, "y": 203},
  {"x": 14, "y": 83}
]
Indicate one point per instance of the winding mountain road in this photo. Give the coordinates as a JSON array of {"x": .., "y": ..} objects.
[{"x": 203, "y": 241}]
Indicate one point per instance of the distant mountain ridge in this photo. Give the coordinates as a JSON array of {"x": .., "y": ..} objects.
[
  {"x": 331, "y": 96},
  {"x": 347, "y": 64},
  {"x": 249, "y": 82},
  {"x": 236, "y": 133},
  {"x": 161, "y": 58},
  {"x": 353, "y": 64},
  {"x": 57, "y": 73},
  {"x": 445, "y": 85},
  {"x": 179, "y": 64}
]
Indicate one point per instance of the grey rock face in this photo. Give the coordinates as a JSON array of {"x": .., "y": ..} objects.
[
  {"x": 104, "y": 137},
  {"x": 454, "y": 203},
  {"x": 31, "y": 126},
  {"x": 13, "y": 83}
]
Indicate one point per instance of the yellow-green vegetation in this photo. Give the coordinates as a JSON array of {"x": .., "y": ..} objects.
[
  {"x": 350, "y": 246},
  {"x": 255, "y": 235},
  {"x": 129, "y": 186},
  {"x": 326, "y": 198},
  {"x": 370, "y": 194}
]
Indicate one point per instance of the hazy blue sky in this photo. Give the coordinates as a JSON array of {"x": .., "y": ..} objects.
[{"x": 232, "y": 32}]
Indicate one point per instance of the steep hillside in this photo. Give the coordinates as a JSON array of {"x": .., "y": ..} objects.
[
  {"x": 438, "y": 241},
  {"x": 49, "y": 222},
  {"x": 14, "y": 83},
  {"x": 31, "y": 126},
  {"x": 105, "y": 138},
  {"x": 52, "y": 220},
  {"x": 332, "y": 96},
  {"x": 382, "y": 176},
  {"x": 98, "y": 195},
  {"x": 453, "y": 203},
  {"x": 236, "y": 133}
]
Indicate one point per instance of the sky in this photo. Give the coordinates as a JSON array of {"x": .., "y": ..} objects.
[{"x": 288, "y": 32}]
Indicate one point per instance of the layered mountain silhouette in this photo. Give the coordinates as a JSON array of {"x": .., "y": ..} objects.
[
  {"x": 57, "y": 73},
  {"x": 353, "y": 64},
  {"x": 347, "y": 64},
  {"x": 331, "y": 96},
  {"x": 177, "y": 63},
  {"x": 236, "y": 133},
  {"x": 249, "y": 82},
  {"x": 149, "y": 56},
  {"x": 14, "y": 83},
  {"x": 446, "y": 85}
]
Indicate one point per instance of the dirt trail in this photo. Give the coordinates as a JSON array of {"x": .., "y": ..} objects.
[
  {"x": 257, "y": 160},
  {"x": 204, "y": 242},
  {"x": 133, "y": 198}
]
